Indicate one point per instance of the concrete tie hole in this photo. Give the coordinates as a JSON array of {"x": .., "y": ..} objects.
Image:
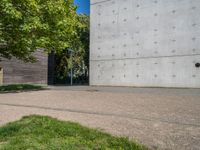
[{"x": 197, "y": 65}]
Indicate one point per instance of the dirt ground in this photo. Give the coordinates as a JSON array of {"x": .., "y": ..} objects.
[{"x": 166, "y": 119}]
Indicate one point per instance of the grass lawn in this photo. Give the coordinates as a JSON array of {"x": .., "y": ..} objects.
[
  {"x": 19, "y": 87},
  {"x": 45, "y": 133}
]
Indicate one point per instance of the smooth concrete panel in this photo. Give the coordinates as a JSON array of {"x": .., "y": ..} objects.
[
  {"x": 152, "y": 72},
  {"x": 145, "y": 43}
]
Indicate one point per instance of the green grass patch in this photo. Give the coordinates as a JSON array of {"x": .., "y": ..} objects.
[
  {"x": 46, "y": 133},
  {"x": 19, "y": 88}
]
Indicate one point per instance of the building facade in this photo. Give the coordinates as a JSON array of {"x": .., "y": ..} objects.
[
  {"x": 16, "y": 71},
  {"x": 145, "y": 43}
]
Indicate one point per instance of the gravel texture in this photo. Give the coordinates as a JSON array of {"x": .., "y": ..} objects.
[{"x": 166, "y": 119}]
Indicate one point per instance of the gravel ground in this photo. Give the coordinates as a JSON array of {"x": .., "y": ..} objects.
[{"x": 166, "y": 119}]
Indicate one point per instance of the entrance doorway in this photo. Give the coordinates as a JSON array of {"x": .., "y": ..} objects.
[{"x": 64, "y": 69}]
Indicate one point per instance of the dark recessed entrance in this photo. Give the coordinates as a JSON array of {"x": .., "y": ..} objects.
[{"x": 60, "y": 72}]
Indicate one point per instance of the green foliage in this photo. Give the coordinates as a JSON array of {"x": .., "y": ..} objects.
[
  {"x": 19, "y": 87},
  {"x": 45, "y": 133},
  {"x": 80, "y": 46},
  {"x": 27, "y": 25},
  {"x": 84, "y": 38}
]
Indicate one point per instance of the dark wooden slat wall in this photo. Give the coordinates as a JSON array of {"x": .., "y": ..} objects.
[{"x": 16, "y": 71}]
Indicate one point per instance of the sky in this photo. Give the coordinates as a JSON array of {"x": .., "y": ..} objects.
[{"x": 83, "y": 6}]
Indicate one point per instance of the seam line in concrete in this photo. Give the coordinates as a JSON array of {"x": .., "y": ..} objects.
[
  {"x": 102, "y": 114},
  {"x": 100, "y": 2},
  {"x": 145, "y": 57}
]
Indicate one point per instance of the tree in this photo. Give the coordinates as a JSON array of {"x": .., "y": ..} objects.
[
  {"x": 80, "y": 46},
  {"x": 27, "y": 25},
  {"x": 84, "y": 37}
]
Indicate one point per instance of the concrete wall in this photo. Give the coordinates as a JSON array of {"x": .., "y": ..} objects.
[
  {"x": 15, "y": 71},
  {"x": 151, "y": 43}
]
